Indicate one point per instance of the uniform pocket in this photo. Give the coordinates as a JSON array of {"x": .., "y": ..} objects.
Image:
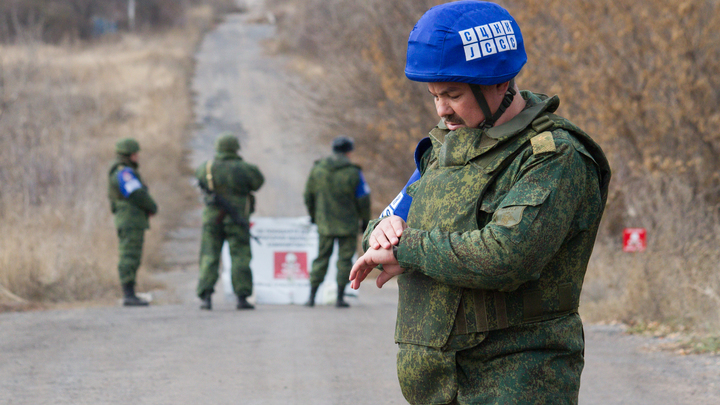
[
  {"x": 516, "y": 213},
  {"x": 426, "y": 376}
]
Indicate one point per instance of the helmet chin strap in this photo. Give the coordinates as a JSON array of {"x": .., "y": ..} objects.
[{"x": 490, "y": 118}]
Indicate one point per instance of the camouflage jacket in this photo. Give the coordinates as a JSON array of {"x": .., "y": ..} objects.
[
  {"x": 501, "y": 226},
  {"x": 130, "y": 200},
  {"x": 337, "y": 197},
  {"x": 234, "y": 179}
]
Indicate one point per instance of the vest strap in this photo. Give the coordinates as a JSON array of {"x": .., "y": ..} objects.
[
  {"x": 500, "y": 309},
  {"x": 461, "y": 322},
  {"x": 532, "y": 305},
  {"x": 208, "y": 175},
  {"x": 565, "y": 297},
  {"x": 542, "y": 124},
  {"x": 481, "y": 319}
]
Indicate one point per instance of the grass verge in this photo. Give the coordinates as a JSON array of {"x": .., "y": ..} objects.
[{"x": 61, "y": 110}]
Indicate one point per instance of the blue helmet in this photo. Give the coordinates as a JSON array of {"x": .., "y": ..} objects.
[{"x": 467, "y": 41}]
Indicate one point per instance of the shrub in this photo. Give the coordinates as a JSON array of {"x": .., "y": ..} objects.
[{"x": 55, "y": 20}]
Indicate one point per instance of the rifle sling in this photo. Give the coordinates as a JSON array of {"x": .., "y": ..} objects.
[{"x": 208, "y": 175}]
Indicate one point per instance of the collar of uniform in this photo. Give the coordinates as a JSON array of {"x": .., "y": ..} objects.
[
  {"x": 227, "y": 156},
  {"x": 456, "y": 148},
  {"x": 124, "y": 160},
  {"x": 537, "y": 104},
  {"x": 439, "y": 133},
  {"x": 337, "y": 161}
]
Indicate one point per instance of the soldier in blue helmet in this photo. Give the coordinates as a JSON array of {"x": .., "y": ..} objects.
[{"x": 491, "y": 237}]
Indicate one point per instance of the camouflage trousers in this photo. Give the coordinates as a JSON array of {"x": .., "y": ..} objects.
[
  {"x": 213, "y": 237},
  {"x": 130, "y": 248},
  {"x": 347, "y": 246},
  {"x": 536, "y": 363}
]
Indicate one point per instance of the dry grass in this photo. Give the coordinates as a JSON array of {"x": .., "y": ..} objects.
[
  {"x": 61, "y": 110},
  {"x": 676, "y": 280}
]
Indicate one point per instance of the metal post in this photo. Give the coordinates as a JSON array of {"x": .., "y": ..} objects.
[{"x": 131, "y": 15}]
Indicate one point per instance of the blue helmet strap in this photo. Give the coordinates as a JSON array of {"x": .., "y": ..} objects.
[{"x": 490, "y": 118}]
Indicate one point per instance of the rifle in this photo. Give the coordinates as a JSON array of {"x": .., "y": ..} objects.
[{"x": 227, "y": 207}]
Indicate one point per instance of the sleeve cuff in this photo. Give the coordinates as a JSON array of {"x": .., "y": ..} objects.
[{"x": 409, "y": 250}]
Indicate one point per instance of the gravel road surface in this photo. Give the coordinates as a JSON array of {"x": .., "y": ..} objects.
[{"x": 172, "y": 353}]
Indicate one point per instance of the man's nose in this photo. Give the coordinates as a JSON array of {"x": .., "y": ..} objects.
[{"x": 443, "y": 109}]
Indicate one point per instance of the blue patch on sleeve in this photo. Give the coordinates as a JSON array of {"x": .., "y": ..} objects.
[
  {"x": 400, "y": 206},
  {"x": 128, "y": 182},
  {"x": 362, "y": 189}
]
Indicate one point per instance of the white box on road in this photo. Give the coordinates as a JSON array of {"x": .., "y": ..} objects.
[{"x": 282, "y": 261}]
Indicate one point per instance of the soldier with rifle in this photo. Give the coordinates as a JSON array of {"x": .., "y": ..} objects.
[{"x": 228, "y": 182}]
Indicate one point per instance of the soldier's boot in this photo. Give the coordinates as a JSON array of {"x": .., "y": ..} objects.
[
  {"x": 311, "y": 300},
  {"x": 340, "y": 303},
  {"x": 243, "y": 304},
  {"x": 129, "y": 297},
  {"x": 206, "y": 300}
]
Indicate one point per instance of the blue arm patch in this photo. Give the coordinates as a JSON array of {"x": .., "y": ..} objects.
[
  {"x": 400, "y": 206},
  {"x": 362, "y": 188},
  {"x": 128, "y": 182}
]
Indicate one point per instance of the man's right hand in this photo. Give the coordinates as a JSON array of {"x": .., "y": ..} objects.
[
  {"x": 371, "y": 259},
  {"x": 387, "y": 233}
]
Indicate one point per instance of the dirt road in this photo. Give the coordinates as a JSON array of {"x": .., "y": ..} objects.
[{"x": 172, "y": 353}]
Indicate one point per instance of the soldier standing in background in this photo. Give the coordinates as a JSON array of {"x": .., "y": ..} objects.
[
  {"x": 338, "y": 201},
  {"x": 132, "y": 206},
  {"x": 228, "y": 182},
  {"x": 502, "y": 221}
]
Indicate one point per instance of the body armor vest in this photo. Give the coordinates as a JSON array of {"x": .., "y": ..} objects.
[{"x": 463, "y": 165}]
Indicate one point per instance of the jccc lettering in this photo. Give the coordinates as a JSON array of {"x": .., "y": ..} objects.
[{"x": 488, "y": 39}]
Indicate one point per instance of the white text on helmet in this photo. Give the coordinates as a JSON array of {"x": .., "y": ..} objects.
[{"x": 488, "y": 39}]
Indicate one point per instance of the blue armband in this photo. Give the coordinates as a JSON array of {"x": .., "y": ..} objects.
[
  {"x": 362, "y": 188},
  {"x": 400, "y": 206},
  {"x": 128, "y": 182}
]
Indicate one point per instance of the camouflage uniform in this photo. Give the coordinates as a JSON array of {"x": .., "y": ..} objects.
[
  {"x": 338, "y": 201},
  {"x": 132, "y": 205},
  {"x": 501, "y": 228},
  {"x": 235, "y": 180}
]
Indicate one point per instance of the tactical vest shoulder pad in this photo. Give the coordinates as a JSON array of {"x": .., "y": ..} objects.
[{"x": 549, "y": 122}]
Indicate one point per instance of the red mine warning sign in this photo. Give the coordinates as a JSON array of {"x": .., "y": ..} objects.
[{"x": 634, "y": 239}]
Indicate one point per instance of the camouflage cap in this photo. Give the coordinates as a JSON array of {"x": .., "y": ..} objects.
[
  {"x": 227, "y": 142},
  {"x": 127, "y": 146}
]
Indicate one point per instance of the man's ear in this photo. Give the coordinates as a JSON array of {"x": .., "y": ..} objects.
[{"x": 502, "y": 87}]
